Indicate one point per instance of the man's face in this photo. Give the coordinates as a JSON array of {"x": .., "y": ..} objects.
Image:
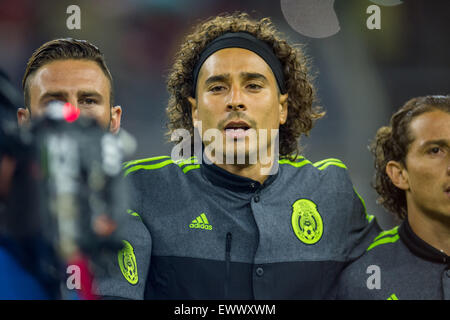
[
  {"x": 428, "y": 165},
  {"x": 79, "y": 82},
  {"x": 237, "y": 91}
]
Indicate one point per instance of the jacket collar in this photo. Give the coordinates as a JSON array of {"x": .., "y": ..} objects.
[
  {"x": 224, "y": 179},
  {"x": 419, "y": 247}
]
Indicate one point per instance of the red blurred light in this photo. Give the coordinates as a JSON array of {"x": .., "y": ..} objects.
[{"x": 71, "y": 113}]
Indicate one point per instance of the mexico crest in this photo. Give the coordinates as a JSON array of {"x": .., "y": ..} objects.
[
  {"x": 127, "y": 263},
  {"x": 306, "y": 221}
]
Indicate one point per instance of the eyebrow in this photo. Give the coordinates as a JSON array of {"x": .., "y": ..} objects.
[
  {"x": 93, "y": 94},
  {"x": 253, "y": 76},
  {"x": 53, "y": 94},
  {"x": 439, "y": 142},
  {"x": 244, "y": 75},
  {"x": 217, "y": 78},
  {"x": 64, "y": 95}
]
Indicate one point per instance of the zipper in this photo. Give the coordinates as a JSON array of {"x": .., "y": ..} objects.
[{"x": 227, "y": 263}]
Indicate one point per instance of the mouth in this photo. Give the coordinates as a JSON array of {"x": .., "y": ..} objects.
[
  {"x": 236, "y": 129},
  {"x": 447, "y": 191}
]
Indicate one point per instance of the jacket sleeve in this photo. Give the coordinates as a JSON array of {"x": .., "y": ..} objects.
[
  {"x": 124, "y": 272},
  {"x": 356, "y": 227},
  {"x": 361, "y": 227}
]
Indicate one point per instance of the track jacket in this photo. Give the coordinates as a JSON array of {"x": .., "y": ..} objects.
[
  {"x": 398, "y": 265},
  {"x": 196, "y": 231}
]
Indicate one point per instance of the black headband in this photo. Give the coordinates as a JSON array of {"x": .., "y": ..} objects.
[{"x": 242, "y": 40}]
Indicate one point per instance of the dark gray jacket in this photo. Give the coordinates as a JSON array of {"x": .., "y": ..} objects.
[
  {"x": 198, "y": 232},
  {"x": 407, "y": 267}
]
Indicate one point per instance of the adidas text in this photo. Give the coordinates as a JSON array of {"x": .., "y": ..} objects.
[{"x": 200, "y": 226}]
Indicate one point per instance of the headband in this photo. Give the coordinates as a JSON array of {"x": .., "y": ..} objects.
[{"x": 242, "y": 40}]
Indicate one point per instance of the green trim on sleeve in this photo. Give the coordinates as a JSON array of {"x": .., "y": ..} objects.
[
  {"x": 318, "y": 163},
  {"x": 297, "y": 164},
  {"x": 390, "y": 236},
  {"x": 130, "y": 163},
  {"x": 133, "y": 166},
  {"x": 383, "y": 241},
  {"x": 391, "y": 232},
  {"x": 369, "y": 217},
  {"x": 189, "y": 168},
  {"x": 323, "y": 164},
  {"x": 332, "y": 163},
  {"x": 148, "y": 167}
]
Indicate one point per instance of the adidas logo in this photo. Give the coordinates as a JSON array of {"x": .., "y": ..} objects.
[
  {"x": 392, "y": 297},
  {"x": 201, "y": 222}
]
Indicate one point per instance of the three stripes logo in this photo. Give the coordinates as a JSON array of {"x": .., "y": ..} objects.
[
  {"x": 201, "y": 222},
  {"x": 389, "y": 236},
  {"x": 392, "y": 297}
]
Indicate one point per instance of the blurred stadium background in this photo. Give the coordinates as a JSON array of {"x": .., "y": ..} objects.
[{"x": 362, "y": 75}]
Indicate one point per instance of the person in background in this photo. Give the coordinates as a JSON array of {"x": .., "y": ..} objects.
[
  {"x": 412, "y": 178},
  {"x": 73, "y": 71}
]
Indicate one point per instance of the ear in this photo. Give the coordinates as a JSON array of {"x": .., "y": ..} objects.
[
  {"x": 23, "y": 116},
  {"x": 398, "y": 175},
  {"x": 194, "y": 109},
  {"x": 116, "y": 116},
  {"x": 283, "y": 108}
]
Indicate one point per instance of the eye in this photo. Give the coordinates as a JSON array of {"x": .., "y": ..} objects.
[
  {"x": 434, "y": 150},
  {"x": 217, "y": 88},
  {"x": 89, "y": 101},
  {"x": 254, "y": 86},
  {"x": 55, "y": 100}
]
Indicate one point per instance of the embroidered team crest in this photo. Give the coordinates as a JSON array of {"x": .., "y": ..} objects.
[
  {"x": 306, "y": 221},
  {"x": 127, "y": 263}
]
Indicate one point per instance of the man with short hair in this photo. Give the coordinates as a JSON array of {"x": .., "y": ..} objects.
[
  {"x": 245, "y": 217},
  {"x": 73, "y": 71},
  {"x": 412, "y": 161}
]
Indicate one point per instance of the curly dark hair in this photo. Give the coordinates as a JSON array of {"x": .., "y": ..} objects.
[
  {"x": 392, "y": 143},
  {"x": 301, "y": 93}
]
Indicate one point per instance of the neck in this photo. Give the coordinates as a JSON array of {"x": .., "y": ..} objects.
[{"x": 435, "y": 232}]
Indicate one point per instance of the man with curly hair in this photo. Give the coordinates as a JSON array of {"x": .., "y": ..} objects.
[
  {"x": 412, "y": 161},
  {"x": 221, "y": 226}
]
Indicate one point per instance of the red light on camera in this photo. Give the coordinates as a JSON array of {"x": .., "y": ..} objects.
[{"x": 70, "y": 112}]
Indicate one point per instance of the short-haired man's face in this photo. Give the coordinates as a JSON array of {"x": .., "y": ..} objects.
[
  {"x": 79, "y": 82},
  {"x": 427, "y": 171},
  {"x": 237, "y": 91}
]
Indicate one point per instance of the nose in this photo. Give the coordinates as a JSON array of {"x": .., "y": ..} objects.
[
  {"x": 235, "y": 102},
  {"x": 74, "y": 102}
]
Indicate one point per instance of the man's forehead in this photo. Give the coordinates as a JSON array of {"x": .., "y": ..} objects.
[
  {"x": 434, "y": 125},
  {"x": 234, "y": 61},
  {"x": 68, "y": 71}
]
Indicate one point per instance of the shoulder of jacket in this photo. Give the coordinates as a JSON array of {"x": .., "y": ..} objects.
[
  {"x": 156, "y": 164},
  {"x": 322, "y": 165},
  {"x": 385, "y": 238}
]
